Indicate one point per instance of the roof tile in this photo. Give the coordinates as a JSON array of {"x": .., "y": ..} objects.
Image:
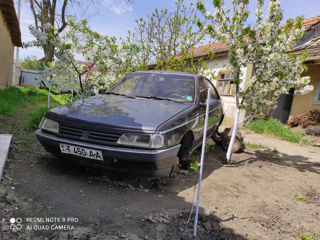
[{"x": 218, "y": 47}]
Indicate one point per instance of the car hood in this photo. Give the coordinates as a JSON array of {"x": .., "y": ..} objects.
[{"x": 119, "y": 112}]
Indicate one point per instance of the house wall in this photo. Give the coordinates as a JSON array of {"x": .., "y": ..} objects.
[
  {"x": 228, "y": 102},
  {"x": 6, "y": 55},
  {"x": 305, "y": 103}
]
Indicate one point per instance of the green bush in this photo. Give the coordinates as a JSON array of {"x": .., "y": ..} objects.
[
  {"x": 36, "y": 117},
  {"x": 276, "y": 128}
]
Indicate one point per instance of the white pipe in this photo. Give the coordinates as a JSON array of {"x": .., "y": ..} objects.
[
  {"x": 49, "y": 96},
  {"x": 72, "y": 95},
  {"x": 233, "y": 136},
  {"x": 50, "y": 82},
  {"x": 247, "y": 118},
  {"x": 201, "y": 163}
]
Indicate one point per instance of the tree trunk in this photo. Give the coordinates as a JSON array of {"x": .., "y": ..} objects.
[
  {"x": 48, "y": 52},
  {"x": 46, "y": 11}
]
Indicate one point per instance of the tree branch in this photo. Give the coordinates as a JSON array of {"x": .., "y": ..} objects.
[
  {"x": 63, "y": 18},
  {"x": 34, "y": 14},
  {"x": 56, "y": 93}
]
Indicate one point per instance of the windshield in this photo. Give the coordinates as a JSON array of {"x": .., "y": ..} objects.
[{"x": 163, "y": 86}]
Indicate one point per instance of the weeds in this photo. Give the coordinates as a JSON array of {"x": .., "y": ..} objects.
[
  {"x": 276, "y": 128},
  {"x": 194, "y": 166},
  {"x": 36, "y": 117},
  {"x": 193, "y": 158},
  {"x": 305, "y": 237},
  {"x": 302, "y": 198},
  {"x": 209, "y": 148},
  {"x": 253, "y": 145},
  {"x": 234, "y": 186}
]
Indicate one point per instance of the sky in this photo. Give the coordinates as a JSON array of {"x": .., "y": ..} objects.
[{"x": 116, "y": 17}]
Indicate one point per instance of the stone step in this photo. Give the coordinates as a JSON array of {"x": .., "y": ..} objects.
[{"x": 5, "y": 140}]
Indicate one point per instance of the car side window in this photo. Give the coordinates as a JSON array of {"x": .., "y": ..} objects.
[
  {"x": 204, "y": 84},
  {"x": 202, "y": 90},
  {"x": 213, "y": 90}
]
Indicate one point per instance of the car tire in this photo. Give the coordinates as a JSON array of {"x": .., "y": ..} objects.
[{"x": 184, "y": 155}]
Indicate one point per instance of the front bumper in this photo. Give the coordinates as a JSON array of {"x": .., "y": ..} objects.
[{"x": 125, "y": 160}]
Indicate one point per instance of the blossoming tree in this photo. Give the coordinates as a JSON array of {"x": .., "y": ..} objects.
[
  {"x": 267, "y": 44},
  {"x": 99, "y": 55},
  {"x": 165, "y": 39}
]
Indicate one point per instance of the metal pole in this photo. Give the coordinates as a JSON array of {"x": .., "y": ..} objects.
[
  {"x": 201, "y": 164},
  {"x": 233, "y": 136}
]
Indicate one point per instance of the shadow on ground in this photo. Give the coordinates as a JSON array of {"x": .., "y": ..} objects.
[{"x": 301, "y": 163}]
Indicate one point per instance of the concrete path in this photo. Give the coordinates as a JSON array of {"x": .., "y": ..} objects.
[
  {"x": 5, "y": 140},
  {"x": 292, "y": 149}
]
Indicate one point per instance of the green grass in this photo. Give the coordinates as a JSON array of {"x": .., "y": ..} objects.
[
  {"x": 13, "y": 98},
  {"x": 36, "y": 117},
  {"x": 33, "y": 99},
  {"x": 302, "y": 198},
  {"x": 253, "y": 145},
  {"x": 276, "y": 128},
  {"x": 234, "y": 186},
  {"x": 305, "y": 237},
  {"x": 194, "y": 166},
  {"x": 209, "y": 148}
]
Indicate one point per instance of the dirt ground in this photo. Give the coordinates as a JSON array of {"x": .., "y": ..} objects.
[{"x": 253, "y": 198}]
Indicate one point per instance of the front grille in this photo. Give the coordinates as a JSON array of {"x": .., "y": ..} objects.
[
  {"x": 70, "y": 131},
  {"x": 103, "y": 137}
]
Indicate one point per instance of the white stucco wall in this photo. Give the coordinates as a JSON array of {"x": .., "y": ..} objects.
[{"x": 229, "y": 102}]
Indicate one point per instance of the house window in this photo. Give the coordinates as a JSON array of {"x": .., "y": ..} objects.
[
  {"x": 316, "y": 99},
  {"x": 225, "y": 84}
]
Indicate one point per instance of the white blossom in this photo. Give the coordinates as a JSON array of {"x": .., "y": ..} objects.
[{"x": 268, "y": 45}]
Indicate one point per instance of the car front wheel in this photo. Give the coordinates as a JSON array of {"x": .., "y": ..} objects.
[{"x": 184, "y": 153}]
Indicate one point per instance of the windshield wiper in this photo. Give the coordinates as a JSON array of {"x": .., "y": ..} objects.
[
  {"x": 158, "y": 98},
  {"x": 118, "y": 94}
]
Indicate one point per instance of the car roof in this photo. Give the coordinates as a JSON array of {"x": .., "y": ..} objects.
[{"x": 169, "y": 72}]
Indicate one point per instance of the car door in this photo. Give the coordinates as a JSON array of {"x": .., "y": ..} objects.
[{"x": 214, "y": 110}]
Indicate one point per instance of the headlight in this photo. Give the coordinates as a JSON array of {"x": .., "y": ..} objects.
[
  {"x": 49, "y": 125},
  {"x": 142, "y": 140}
]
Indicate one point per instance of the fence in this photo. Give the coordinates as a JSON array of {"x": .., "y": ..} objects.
[{"x": 30, "y": 77}]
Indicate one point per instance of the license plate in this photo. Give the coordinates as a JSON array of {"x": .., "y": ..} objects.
[{"x": 81, "y": 151}]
